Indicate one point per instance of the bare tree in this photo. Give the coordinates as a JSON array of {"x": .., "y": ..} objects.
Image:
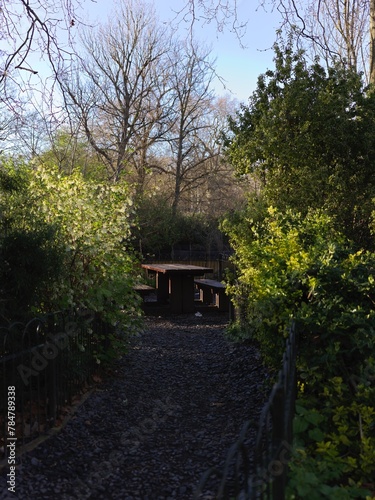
[
  {"x": 187, "y": 146},
  {"x": 30, "y": 31},
  {"x": 8, "y": 123},
  {"x": 218, "y": 191},
  {"x": 372, "y": 41},
  {"x": 30, "y": 135},
  {"x": 222, "y": 12},
  {"x": 119, "y": 91},
  {"x": 334, "y": 30}
]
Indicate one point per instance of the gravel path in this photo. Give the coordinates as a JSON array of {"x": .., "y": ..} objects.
[{"x": 173, "y": 407}]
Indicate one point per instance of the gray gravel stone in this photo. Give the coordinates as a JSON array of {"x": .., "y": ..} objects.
[{"x": 170, "y": 410}]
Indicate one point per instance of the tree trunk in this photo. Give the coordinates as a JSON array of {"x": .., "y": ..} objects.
[
  {"x": 372, "y": 42},
  {"x": 179, "y": 172}
]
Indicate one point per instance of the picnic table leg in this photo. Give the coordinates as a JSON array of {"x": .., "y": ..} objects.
[
  {"x": 206, "y": 295},
  {"x": 222, "y": 301},
  {"x": 162, "y": 285},
  {"x": 182, "y": 293}
]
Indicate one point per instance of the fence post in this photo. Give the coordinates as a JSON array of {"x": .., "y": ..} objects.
[
  {"x": 52, "y": 390},
  {"x": 278, "y": 436}
]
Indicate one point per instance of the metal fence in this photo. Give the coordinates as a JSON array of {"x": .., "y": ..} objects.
[
  {"x": 45, "y": 363},
  {"x": 261, "y": 473}
]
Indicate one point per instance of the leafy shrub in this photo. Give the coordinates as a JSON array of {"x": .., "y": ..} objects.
[
  {"x": 334, "y": 440},
  {"x": 92, "y": 225},
  {"x": 307, "y": 135},
  {"x": 29, "y": 262},
  {"x": 275, "y": 255},
  {"x": 294, "y": 267},
  {"x": 30, "y": 255},
  {"x": 159, "y": 230}
]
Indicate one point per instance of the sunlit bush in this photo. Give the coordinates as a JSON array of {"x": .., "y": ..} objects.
[
  {"x": 91, "y": 224},
  {"x": 300, "y": 268}
]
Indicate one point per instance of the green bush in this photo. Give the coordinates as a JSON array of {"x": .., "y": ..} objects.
[
  {"x": 307, "y": 135},
  {"x": 30, "y": 262},
  {"x": 300, "y": 268},
  {"x": 31, "y": 257},
  {"x": 334, "y": 439},
  {"x": 276, "y": 255},
  {"x": 91, "y": 224},
  {"x": 159, "y": 230}
]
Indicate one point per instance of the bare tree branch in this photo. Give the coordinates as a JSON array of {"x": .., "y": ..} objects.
[
  {"x": 331, "y": 29},
  {"x": 120, "y": 92},
  {"x": 223, "y": 13},
  {"x": 34, "y": 30}
]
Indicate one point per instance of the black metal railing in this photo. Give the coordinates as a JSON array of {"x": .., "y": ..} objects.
[
  {"x": 260, "y": 472},
  {"x": 47, "y": 361}
]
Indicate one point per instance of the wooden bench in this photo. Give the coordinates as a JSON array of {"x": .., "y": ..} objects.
[
  {"x": 212, "y": 292},
  {"x": 144, "y": 290}
]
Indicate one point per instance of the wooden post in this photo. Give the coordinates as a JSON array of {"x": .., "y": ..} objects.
[
  {"x": 278, "y": 415},
  {"x": 182, "y": 293},
  {"x": 162, "y": 285}
]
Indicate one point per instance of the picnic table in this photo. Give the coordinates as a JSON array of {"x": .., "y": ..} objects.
[
  {"x": 213, "y": 292},
  {"x": 175, "y": 282}
]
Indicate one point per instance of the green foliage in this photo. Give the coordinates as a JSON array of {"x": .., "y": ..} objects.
[
  {"x": 91, "y": 228},
  {"x": 159, "y": 229},
  {"x": 30, "y": 255},
  {"x": 334, "y": 441},
  {"x": 93, "y": 220},
  {"x": 10, "y": 180},
  {"x": 275, "y": 254},
  {"x": 29, "y": 262},
  {"x": 69, "y": 154},
  {"x": 290, "y": 266},
  {"x": 156, "y": 228},
  {"x": 318, "y": 479},
  {"x": 308, "y": 136},
  {"x": 298, "y": 267}
]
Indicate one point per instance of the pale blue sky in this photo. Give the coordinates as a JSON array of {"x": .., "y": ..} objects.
[{"x": 239, "y": 67}]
